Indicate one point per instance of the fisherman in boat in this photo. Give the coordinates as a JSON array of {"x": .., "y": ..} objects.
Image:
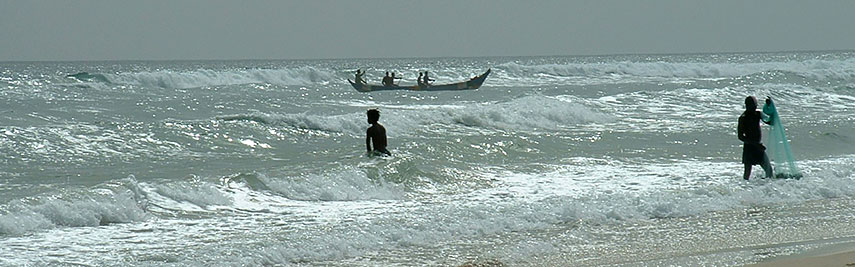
[
  {"x": 426, "y": 80},
  {"x": 394, "y": 78},
  {"x": 358, "y": 79},
  {"x": 387, "y": 80},
  {"x": 419, "y": 80}
]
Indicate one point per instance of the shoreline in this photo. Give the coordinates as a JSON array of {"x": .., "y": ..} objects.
[{"x": 834, "y": 255}]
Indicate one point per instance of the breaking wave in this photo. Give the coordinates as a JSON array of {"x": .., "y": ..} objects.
[
  {"x": 531, "y": 113},
  {"x": 118, "y": 203},
  {"x": 347, "y": 184},
  {"x": 814, "y": 69},
  {"x": 206, "y": 77}
]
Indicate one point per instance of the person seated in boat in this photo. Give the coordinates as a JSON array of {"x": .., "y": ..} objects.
[
  {"x": 376, "y": 135},
  {"x": 394, "y": 78},
  {"x": 426, "y": 80},
  {"x": 358, "y": 79},
  {"x": 419, "y": 80},
  {"x": 387, "y": 80}
]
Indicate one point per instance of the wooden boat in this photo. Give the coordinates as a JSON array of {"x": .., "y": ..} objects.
[{"x": 473, "y": 83}]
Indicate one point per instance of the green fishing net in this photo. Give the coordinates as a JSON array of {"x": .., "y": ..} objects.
[{"x": 778, "y": 148}]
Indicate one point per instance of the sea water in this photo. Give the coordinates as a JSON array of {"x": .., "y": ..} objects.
[{"x": 561, "y": 161}]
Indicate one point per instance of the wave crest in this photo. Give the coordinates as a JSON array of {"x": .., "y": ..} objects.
[
  {"x": 530, "y": 113},
  {"x": 814, "y": 69},
  {"x": 347, "y": 184},
  {"x": 206, "y": 77},
  {"x": 100, "y": 206}
]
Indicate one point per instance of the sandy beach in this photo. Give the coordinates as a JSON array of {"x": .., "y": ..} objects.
[{"x": 845, "y": 258}]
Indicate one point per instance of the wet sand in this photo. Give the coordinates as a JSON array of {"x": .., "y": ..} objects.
[{"x": 846, "y": 258}]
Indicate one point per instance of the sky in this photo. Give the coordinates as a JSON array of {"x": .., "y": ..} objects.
[{"x": 39, "y": 30}]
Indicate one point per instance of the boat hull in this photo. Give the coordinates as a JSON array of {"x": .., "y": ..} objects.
[{"x": 474, "y": 83}]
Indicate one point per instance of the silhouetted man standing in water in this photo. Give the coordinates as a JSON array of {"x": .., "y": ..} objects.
[
  {"x": 376, "y": 134},
  {"x": 753, "y": 151}
]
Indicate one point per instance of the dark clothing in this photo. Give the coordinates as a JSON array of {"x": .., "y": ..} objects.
[
  {"x": 753, "y": 154},
  {"x": 753, "y": 151},
  {"x": 749, "y": 127},
  {"x": 376, "y": 135}
]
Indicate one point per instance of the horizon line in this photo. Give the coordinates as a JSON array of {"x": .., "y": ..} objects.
[{"x": 431, "y": 57}]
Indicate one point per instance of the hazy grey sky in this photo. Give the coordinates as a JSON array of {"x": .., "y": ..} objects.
[{"x": 205, "y": 29}]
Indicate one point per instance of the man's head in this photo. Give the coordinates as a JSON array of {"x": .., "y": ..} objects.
[
  {"x": 387, "y": 73},
  {"x": 373, "y": 116},
  {"x": 750, "y": 103}
]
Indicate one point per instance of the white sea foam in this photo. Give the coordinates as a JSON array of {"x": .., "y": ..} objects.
[
  {"x": 81, "y": 142},
  {"x": 92, "y": 208},
  {"x": 531, "y": 113},
  {"x": 660, "y": 190},
  {"x": 516, "y": 203},
  {"x": 815, "y": 69},
  {"x": 197, "y": 193},
  {"x": 528, "y": 113},
  {"x": 530, "y": 202},
  {"x": 345, "y": 184},
  {"x": 206, "y": 77}
]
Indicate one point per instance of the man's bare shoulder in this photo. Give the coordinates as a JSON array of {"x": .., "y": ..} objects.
[{"x": 374, "y": 129}]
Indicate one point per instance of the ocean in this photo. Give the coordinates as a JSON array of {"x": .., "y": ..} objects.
[{"x": 554, "y": 161}]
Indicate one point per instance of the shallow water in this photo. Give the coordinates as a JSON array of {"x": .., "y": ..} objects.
[{"x": 629, "y": 160}]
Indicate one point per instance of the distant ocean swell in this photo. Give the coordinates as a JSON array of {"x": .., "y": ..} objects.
[
  {"x": 511, "y": 73},
  {"x": 207, "y": 77},
  {"x": 815, "y": 69}
]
